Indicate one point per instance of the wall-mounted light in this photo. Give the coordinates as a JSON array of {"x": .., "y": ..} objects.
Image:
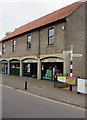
[{"x": 63, "y": 27}]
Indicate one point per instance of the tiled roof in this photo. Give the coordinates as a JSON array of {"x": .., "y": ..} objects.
[{"x": 52, "y": 17}]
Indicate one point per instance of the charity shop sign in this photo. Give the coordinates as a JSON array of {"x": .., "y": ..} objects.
[
  {"x": 71, "y": 80},
  {"x": 65, "y": 79},
  {"x": 82, "y": 85},
  {"x": 61, "y": 79}
]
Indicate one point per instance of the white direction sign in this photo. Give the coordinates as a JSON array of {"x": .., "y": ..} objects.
[
  {"x": 66, "y": 51},
  {"x": 77, "y": 55}
]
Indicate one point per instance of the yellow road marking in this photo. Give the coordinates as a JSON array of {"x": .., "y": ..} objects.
[
  {"x": 7, "y": 86},
  {"x": 48, "y": 99}
]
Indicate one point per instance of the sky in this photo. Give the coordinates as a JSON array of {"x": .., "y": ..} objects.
[{"x": 15, "y": 13}]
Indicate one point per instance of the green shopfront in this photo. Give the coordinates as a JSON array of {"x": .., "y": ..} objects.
[
  {"x": 51, "y": 67},
  {"x": 15, "y": 67}
]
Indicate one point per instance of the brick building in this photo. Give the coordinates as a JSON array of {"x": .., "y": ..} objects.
[{"x": 36, "y": 48}]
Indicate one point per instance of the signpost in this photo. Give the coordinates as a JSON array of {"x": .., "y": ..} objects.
[
  {"x": 66, "y": 52},
  {"x": 71, "y": 63},
  {"x": 77, "y": 55}
]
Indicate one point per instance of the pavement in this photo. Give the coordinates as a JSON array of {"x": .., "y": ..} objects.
[{"x": 46, "y": 89}]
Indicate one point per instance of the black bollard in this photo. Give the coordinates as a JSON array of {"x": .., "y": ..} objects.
[
  {"x": 25, "y": 85},
  {"x": 70, "y": 87},
  {"x": 54, "y": 81}
]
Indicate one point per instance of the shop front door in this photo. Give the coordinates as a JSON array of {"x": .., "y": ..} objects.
[{"x": 15, "y": 68}]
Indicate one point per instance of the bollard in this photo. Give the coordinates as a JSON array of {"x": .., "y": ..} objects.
[
  {"x": 70, "y": 87},
  {"x": 54, "y": 81},
  {"x": 26, "y": 85},
  {"x": 78, "y": 92}
]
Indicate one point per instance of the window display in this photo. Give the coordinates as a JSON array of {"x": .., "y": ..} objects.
[
  {"x": 51, "y": 69},
  {"x": 4, "y": 68},
  {"x": 30, "y": 69}
]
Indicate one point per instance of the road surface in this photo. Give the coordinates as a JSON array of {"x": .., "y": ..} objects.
[{"x": 18, "y": 104}]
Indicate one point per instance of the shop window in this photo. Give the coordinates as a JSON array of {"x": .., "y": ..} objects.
[
  {"x": 14, "y": 45},
  {"x": 51, "y": 36},
  {"x": 51, "y": 69},
  {"x": 30, "y": 69},
  {"x": 3, "y": 47},
  {"x": 4, "y": 68},
  {"x": 29, "y": 42}
]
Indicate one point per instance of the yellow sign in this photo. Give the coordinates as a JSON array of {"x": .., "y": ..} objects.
[
  {"x": 61, "y": 78},
  {"x": 71, "y": 79},
  {"x": 65, "y": 79}
]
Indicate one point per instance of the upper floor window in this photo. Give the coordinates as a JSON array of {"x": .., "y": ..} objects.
[
  {"x": 51, "y": 36},
  {"x": 3, "y": 47},
  {"x": 29, "y": 41},
  {"x": 14, "y": 45}
]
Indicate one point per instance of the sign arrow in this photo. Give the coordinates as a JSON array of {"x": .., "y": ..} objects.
[{"x": 77, "y": 55}]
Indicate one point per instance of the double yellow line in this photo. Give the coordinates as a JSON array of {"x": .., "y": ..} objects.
[{"x": 48, "y": 99}]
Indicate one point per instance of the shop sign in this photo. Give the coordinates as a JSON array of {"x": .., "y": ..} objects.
[
  {"x": 61, "y": 78},
  {"x": 69, "y": 80},
  {"x": 82, "y": 86},
  {"x": 15, "y": 61},
  {"x": 4, "y": 61},
  {"x": 30, "y": 61},
  {"x": 52, "y": 60}
]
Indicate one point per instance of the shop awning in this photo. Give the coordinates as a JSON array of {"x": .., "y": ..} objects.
[
  {"x": 15, "y": 61},
  {"x": 30, "y": 61},
  {"x": 53, "y": 60},
  {"x": 4, "y": 62}
]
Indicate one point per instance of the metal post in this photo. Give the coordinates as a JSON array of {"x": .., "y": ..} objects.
[
  {"x": 54, "y": 83},
  {"x": 71, "y": 62},
  {"x": 26, "y": 85},
  {"x": 71, "y": 66},
  {"x": 55, "y": 80}
]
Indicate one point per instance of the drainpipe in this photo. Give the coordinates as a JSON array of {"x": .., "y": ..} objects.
[{"x": 39, "y": 45}]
